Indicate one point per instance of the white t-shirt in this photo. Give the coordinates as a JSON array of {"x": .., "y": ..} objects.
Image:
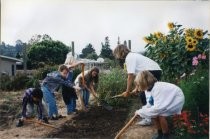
[
  {"x": 136, "y": 62},
  {"x": 80, "y": 75},
  {"x": 168, "y": 100}
]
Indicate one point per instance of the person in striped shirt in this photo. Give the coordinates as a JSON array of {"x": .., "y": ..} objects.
[{"x": 33, "y": 96}]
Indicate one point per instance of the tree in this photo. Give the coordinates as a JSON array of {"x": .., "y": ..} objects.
[
  {"x": 87, "y": 51},
  {"x": 92, "y": 56},
  {"x": 106, "y": 51},
  {"x": 19, "y": 48},
  {"x": 39, "y": 38},
  {"x": 48, "y": 51}
]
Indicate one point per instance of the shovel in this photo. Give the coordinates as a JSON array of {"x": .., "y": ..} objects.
[{"x": 105, "y": 104}]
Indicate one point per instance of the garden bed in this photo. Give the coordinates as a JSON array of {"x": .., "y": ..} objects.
[{"x": 97, "y": 123}]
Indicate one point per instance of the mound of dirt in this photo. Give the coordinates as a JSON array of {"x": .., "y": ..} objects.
[{"x": 96, "y": 123}]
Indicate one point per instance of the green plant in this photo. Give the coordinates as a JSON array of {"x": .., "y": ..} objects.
[
  {"x": 196, "y": 91},
  {"x": 42, "y": 72},
  {"x": 5, "y": 82},
  {"x": 111, "y": 84},
  {"x": 174, "y": 51}
]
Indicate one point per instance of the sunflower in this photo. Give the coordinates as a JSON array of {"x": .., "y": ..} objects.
[
  {"x": 194, "y": 42},
  {"x": 189, "y": 40},
  {"x": 198, "y": 33},
  {"x": 170, "y": 25},
  {"x": 190, "y": 47},
  {"x": 159, "y": 34},
  {"x": 146, "y": 40}
]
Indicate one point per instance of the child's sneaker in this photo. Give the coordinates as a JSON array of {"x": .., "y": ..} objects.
[
  {"x": 45, "y": 120},
  {"x": 54, "y": 118},
  {"x": 145, "y": 122},
  {"x": 19, "y": 123}
]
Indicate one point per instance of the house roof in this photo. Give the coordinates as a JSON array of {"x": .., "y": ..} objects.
[{"x": 11, "y": 58}]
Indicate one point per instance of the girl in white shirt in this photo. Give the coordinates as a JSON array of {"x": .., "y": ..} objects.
[
  {"x": 90, "y": 78},
  {"x": 168, "y": 100}
]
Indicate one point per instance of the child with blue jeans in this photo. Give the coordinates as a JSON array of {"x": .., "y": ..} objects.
[
  {"x": 50, "y": 84},
  {"x": 90, "y": 78}
]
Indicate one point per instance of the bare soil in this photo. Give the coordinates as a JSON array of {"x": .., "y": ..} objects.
[{"x": 96, "y": 123}]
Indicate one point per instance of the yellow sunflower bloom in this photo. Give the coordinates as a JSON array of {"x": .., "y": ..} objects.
[
  {"x": 170, "y": 25},
  {"x": 198, "y": 33},
  {"x": 194, "y": 42},
  {"x": 146, "y": 40},
  {"x": 190, "y": 47},
  {"x": 189, "y": 40},
  {"x": 159, "y": 34}
]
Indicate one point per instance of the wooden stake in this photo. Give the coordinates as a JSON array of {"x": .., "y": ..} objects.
[{"x": 125, "y": 127}]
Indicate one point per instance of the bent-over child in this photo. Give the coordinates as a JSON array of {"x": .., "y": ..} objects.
[
  {"x": 33, "y": 96},
  {"x": 168, "y": 100},
  {"x": 50, "y": 84},
  {"x": 90, "y": 78}
]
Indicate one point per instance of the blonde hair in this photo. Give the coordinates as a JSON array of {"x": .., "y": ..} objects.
[
  {"x": 144, "y": 80},
  {"x": 121, "y": 51}
]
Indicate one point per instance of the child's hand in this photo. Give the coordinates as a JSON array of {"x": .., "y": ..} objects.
[
  {"x": 125, "y": 94},
  {"x": 77, "y": 88},
  {"x": 137, "y": 112}
]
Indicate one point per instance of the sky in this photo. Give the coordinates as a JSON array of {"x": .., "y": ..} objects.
[{"x": 87, "y": 21}]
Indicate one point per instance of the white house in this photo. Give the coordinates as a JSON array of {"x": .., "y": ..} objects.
[{"x": 8, "y": 65}]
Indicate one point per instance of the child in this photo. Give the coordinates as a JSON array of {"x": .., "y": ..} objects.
[
  {"x": 33, "y": 96},
  {"x": 90, "y": 77},
  {"x": 134, "y": 63},
  {"x": 50, "y": 84},
  {"x": 168, "y": 100},
  {"x": 69, "y": 94}
]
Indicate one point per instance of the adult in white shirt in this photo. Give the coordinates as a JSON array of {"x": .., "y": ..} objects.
[
  {"x": 168, "y": 100},
  {"x": 135, "y": 63}
]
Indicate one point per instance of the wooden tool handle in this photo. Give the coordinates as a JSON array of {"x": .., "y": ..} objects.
[
  {"x": 120, "y": 95},
  {"x": 83, "y": 74},
  {"x": 125, "y": 127},
  {"x": 41, "y": 123}
]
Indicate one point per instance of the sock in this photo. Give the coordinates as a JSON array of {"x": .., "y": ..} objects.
[{"x": 166, "y": 136}]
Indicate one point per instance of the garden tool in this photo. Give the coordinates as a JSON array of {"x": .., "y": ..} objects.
[
  {"x": 41, "y": 123},
  {"x": 104, "y": 104},
  {"x": 125, "y": 127},
  {"x": 117, "y": 96}
]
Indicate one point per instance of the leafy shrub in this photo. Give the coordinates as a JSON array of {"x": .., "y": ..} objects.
[
  {"x": 111, "y": 84},
  {"x": 196, "y": 91},
  {"x": 5, "y": 82},
  {"x": 42, "y": 72},
  {"x": 175, "y": 51}
]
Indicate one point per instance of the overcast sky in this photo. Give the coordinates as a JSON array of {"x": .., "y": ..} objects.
[{"x": 91, "y": 21}]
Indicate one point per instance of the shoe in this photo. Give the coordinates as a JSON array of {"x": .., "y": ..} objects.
[
  {"x": 61, "y": 116},
  {"x": 54, "y": 118},
  {"x": 71, "y": 113},
  {"x": 157, "y": 136},
  {"x": 45, "y": 120},
  {"x": 19, "y": 123},
  {"x": 145, "y": 122}
]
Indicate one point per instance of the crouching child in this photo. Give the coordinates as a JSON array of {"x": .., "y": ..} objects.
[
  {"x": 33, "y": 96},
  {"x": 168, "y": 100}
]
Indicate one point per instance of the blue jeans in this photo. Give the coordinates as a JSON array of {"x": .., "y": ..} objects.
[
  {"x": 71, "y": 107},
  {"x": 85, "y": 96},
  {"x": 49, "y": 98}
]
